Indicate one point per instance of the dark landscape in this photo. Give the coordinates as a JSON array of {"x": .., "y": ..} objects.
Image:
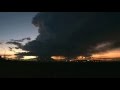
[{"x": 26, "y": 69}]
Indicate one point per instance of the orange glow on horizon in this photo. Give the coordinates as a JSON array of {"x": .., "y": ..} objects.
[
  {"x": 109, "y": 54},
  {"x": 58, "y": 58},
  {"x": 5, "y": 52}
]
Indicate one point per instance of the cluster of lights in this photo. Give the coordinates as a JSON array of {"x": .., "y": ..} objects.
[{"x": 80, "y": 59}]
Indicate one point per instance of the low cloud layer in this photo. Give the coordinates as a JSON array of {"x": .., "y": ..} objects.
[
  {"x": 21, "y": 40},
  {"x": 18, "y": 43}
]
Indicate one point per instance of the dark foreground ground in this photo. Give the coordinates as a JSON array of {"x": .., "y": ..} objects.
[{"x": 18, "y": 69}]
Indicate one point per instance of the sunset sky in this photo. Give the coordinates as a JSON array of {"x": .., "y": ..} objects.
[
  {"x": 16, "y": 25},
  {"x": 94, "y": 33}
]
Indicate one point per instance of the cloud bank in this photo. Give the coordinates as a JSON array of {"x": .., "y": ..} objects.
[{"x": 75, "y": 33}]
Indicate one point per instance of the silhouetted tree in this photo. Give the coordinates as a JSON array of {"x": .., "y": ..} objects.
[{"x": 0, "y": 57}]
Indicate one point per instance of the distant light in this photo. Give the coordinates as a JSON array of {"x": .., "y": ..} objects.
[
  {"x": 58, "y": 57},
  {"x": 29, "y": 57},
  {"x": 70, "y": 60}
]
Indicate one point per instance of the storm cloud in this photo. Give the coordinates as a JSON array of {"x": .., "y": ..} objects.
[{"x": 75, "y": 33}]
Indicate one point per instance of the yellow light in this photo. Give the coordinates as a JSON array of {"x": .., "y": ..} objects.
[{"x": 29, "y": 57}]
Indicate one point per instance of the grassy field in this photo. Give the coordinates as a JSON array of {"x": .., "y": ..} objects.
[{"x": 18, "y": 69}]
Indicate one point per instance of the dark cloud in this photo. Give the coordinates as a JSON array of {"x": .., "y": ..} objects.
[
  {"x": 74, "y": 33},
  {"x": 19, "y": 45},
  {"x": 21, "y": 40},
  {"x": 25, "y": 54},
  {"x": 10, "y": 48}
]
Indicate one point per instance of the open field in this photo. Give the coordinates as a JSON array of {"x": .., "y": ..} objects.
[{"x": 17, "y": 69}]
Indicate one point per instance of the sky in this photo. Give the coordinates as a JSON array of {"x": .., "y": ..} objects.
[
  {"x": 16, "y": 25},
  {"x": 65, "y": 34}
]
